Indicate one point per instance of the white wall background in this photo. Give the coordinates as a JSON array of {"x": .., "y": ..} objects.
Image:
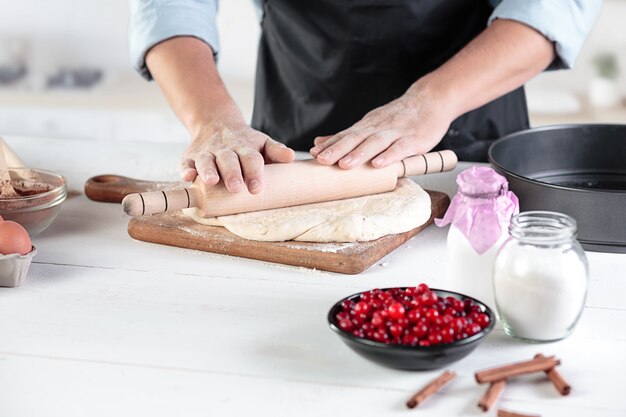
[
  {"x": 93, "y": 33},
  {"x": 609, "y": 34}
]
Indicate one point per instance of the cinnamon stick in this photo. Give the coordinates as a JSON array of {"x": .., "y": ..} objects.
[
  {"x": 506, "y": 413},
  {"x": 491, "y": 395},
  {"x": 434, "y": 386},
  {"x": 514, "y": 369},
  {"x": 557, "y": 379}
]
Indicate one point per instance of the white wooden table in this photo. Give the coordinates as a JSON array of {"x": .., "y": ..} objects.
[{"x": 109, "y": 326}]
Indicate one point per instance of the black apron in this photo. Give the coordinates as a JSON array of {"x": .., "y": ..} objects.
[{"x": 323, "y": 64}]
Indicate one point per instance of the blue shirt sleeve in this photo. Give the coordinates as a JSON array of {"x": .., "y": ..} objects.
[
  {"x": 153, "y": 21},
  {"x": 564, "y": 22}
]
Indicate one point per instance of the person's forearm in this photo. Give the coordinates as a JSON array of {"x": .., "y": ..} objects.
[
  {"x": 223, "y": 147},
  {"x": 499, "y": 60},
  {"x": 185, "y": 70}
]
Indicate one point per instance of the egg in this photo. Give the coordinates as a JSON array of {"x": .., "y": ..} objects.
[{"x": 14, "y": 239}]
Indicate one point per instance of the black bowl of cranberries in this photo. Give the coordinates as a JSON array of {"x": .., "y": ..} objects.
[{"x": 413, "y": 328}]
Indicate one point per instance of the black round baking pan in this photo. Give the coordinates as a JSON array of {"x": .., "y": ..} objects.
[{"x": 576, "y": 169}]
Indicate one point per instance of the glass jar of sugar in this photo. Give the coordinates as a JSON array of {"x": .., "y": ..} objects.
[
  {"x": 540, "y": 277},
  {"x": 479, "y": 216}
]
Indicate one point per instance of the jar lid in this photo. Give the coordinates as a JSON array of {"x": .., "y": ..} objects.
[
  {"x": 482, "y": 208},
  {"x": 481, "y": 181}
]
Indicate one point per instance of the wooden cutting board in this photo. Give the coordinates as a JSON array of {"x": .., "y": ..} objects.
[
  {"x": 178, "y": 230},
  {"x": 346, "y": 258}
]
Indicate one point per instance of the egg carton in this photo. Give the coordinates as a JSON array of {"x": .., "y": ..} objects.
[{"x": 14, "y": 268}]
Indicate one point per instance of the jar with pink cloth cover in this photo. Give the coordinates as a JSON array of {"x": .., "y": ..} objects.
[{"x": 479, "y": 216}]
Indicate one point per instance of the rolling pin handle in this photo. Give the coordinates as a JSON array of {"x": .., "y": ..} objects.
[
  {"x": 110, "y": 188},
  {"x": 428, "y": 163},
  {"x": 139, "y": 204}
]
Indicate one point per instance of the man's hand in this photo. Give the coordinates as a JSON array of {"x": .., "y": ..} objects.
[
  {"x": 223, "y": 146},
  {"x": 410, "y": 125},
  {"x": 503, "y": 57},
  {"x": 236, "y": 154}
]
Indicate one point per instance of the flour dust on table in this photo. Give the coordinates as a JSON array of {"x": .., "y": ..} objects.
[{"x": 359, "y": 219}]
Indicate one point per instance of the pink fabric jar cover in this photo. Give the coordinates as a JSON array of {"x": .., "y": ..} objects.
[{"x": 482, "y": 206}]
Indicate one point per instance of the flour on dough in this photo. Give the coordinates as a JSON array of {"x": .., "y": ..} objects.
[{"x": 357, "y": 219}]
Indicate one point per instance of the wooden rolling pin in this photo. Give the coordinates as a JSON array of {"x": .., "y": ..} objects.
[
  {"x": 292, "y": 184},
  {"x": 111, "y": 188}
]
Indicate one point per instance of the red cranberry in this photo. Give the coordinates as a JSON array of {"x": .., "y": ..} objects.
[
  {"x": 483, "y": 320},
  {"x": 448, "y": 334},
  {"x": 429, "y": 298},
  {"x": 396, "y": 330},
  {"x": 394, "y": 291},
  {"x": 347, "y": 305},
  {"x": 473, "y": 316},
  {"x": 342, "y": 316},
  {"x": 380, "y": 336},
  {"x": 458, "y": 305},
  {"x": 422, "y": 288},
  {"x": 420, "y": 330},
  {"x": 476, "y": 309},
  {"x": 413, "y": 316},
  {"x": 431, "y": 314},
  {"x": 435, "y": 338},
  {"x": 361, "y": 307},
  {"x": 410, "y": 339},
  {"x": 357, "y": 321},
  {"x": 377, "y": 319},
  {"x": 424, "y": 343},
  {"x": 415, "y": 303},
  {"x": 366, "y": 327},
  {"x": 345, "y": 325},
  {"x": 404, "y": 322},
  {"x": 458, "y": 324},
  {"x": 472, "y": 329},
  {"x": 396, "y": 311}
]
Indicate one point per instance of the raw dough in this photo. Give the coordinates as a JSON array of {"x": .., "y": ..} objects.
[{"x": 357, "y": 219}]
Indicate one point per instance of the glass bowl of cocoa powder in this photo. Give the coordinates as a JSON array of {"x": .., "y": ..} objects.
[{"x": 38, "y": 200}]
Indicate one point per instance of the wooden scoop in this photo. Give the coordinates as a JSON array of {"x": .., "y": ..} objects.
[
  {"x": 11, "y": 158},
  {"x": 292, "y": 184},
  {"x": 6, "y": 189}
]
